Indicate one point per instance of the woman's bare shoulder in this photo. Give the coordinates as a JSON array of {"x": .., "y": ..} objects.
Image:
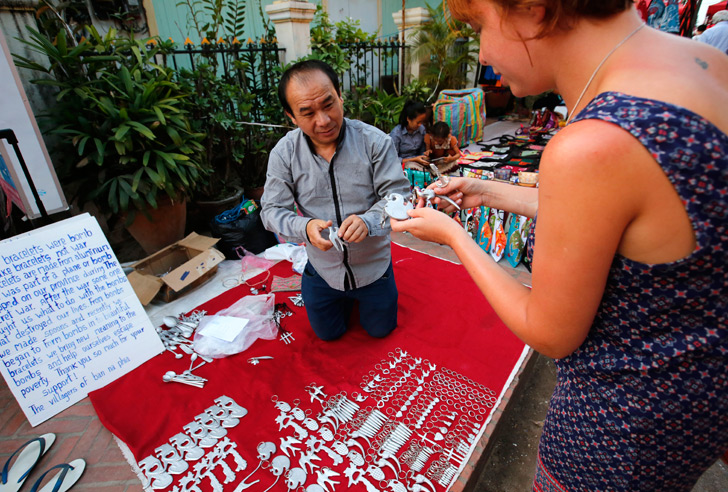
[{"x": 679, "y": 71}]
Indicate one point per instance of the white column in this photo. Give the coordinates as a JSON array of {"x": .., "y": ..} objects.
[
  {"x": 412, "y": 18},
  {"x": 291, "y": 20}
]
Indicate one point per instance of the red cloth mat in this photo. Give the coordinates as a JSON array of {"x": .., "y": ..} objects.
[{"x": 443, "y": 318}]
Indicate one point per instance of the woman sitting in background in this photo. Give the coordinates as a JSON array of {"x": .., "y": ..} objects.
[{"x": 409, "y": 136}]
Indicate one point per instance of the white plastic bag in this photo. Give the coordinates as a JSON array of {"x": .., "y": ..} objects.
[
  {"x": 295, "y": 253},
  {"x": 257, "y": 310}
]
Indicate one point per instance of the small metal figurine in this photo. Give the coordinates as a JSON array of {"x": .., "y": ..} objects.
[
  {"x": 335, "y": 239},
  {"x": 429, "y": 195},
  {"x": 442, "y": 180},
  {"x": 396, "y": 207}
]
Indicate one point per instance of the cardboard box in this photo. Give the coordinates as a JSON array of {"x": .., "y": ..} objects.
[{"x": 176, "y": 269}]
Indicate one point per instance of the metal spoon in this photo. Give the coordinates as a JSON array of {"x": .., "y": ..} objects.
[{"x": 172, "y": 322}]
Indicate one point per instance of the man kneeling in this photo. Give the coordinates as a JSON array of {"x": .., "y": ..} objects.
[{"x": 338, "y": 171}]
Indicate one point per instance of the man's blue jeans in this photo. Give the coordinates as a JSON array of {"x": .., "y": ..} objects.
[{"x": 329, "y": 309}]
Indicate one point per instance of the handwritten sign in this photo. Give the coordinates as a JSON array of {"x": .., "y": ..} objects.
[{"x": 69, "y": 319}]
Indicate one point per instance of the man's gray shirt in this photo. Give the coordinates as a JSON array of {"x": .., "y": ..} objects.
[
  {"x": 364, "y": 169},
  {"x": 716, "y": 36}
]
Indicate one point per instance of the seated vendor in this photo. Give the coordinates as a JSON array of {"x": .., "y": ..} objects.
[{"x": 408, "y": 136}]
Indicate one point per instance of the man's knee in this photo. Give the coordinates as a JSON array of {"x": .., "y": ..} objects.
[
  {"x": 382, "y": 331},
  {"x": 329, "y": 332},
  {"x": 379, "y": 322}
]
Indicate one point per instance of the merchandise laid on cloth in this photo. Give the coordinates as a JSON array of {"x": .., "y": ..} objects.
[
  {"x": 296, "y": 413},
  {"x": 510, "y": 156}
]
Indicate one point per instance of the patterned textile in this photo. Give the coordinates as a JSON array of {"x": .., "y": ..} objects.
[
  {"x": 661, "y": 14},
  {"x": 643, "y": 403},
  {"x": 463, "y": 111}
]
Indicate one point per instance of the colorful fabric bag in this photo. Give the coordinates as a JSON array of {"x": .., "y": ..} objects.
[{"x": 464, "y": 111}]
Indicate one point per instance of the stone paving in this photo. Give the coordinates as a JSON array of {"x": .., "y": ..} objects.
[{"x": 79, "y": 434}]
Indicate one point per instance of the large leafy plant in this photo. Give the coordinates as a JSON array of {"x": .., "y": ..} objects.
[
  {"x": 327, "y": 38},
  {"x": 224, "y": 98},
  {"x": 218, "y": 106},
  {"x": 448, "y": 47},
  {"x": 124, "y": 118}
]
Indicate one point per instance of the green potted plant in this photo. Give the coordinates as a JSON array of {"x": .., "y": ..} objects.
[
  {"x": 218, "y": 107},
  {"x": 219, "y": 100},
  {"x": 226, "y": 103},
  {"x": 448, "y": 46},
  {"x": 258, "y": 141},
  {"x": 130, "y": 145}
]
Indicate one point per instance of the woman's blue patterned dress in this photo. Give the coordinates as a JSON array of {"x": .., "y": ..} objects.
[{"x": 642, "y": 405}]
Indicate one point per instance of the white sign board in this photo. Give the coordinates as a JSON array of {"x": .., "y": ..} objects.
[
  {"x": 69, "y": 319},
  {"x": 15, "y": 114}
]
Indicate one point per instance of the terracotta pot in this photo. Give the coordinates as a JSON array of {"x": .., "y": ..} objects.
[{"x": 166, "y": 227}]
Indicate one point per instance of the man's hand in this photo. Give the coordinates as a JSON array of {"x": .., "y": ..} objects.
[
  {"x": 353, "y": 229},
  {"x": 313, "y": 231}
]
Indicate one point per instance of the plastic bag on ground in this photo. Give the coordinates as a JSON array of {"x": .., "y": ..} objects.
[
  {"x": 295, "y": 253},
  {"x": 252, "y": 265},
  {"x": 258, "y": 310}
]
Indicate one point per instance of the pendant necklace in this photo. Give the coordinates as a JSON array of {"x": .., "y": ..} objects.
[{"x": 596, "y": 70}]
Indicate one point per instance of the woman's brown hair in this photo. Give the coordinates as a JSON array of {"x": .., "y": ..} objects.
[{"x": 559, "y": 14}]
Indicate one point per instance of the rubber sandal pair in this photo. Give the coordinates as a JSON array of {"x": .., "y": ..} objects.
[{"x": 29, "y": 454}]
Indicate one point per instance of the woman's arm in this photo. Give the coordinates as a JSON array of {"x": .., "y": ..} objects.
[
  {"x": 580, "y": 225},
  {"x": 474, "y": 192}
]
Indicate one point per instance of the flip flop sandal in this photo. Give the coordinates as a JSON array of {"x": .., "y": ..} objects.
[
  {"x": 63, "y": 480},
  {"x": 12, "y": 477}
]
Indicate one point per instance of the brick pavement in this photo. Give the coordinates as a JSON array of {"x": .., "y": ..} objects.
[{"x": 79, "y": 434}]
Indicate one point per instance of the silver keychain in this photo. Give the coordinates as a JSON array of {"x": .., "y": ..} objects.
[
  {"x": 335, "y": 239},
  {"x": 396, "y": 207},
  {"x": 429, "y": 195},
  {"x": 278, "y": 467},
  {"x": 324, "y": 478},
  {"x": 295, "y": 478},
  {"x": 265, "y": 451},
  {"x": 442, "y": 180}
]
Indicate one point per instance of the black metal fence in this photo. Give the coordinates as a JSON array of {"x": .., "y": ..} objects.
[
  {"x": 252, "y": 66},
  {"x": 377, "y": 64}
]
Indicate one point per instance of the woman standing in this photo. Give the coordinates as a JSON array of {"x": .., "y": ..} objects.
[{"x": 630, "y": 288}]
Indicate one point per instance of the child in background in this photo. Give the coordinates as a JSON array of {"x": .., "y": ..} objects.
[{"x": 441, "y": 144}]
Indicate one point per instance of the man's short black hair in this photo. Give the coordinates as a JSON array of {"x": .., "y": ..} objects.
[{"x": 304, "y": 67}]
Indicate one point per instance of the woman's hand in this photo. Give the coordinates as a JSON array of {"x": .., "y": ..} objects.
[
  {"x": 466, "y": 192},
  {"x": 429, "y": 224}
]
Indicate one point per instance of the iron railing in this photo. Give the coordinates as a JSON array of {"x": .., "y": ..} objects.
[
  {"x": 259, "y": 77},
  {"x": 375, "y": 64}
]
